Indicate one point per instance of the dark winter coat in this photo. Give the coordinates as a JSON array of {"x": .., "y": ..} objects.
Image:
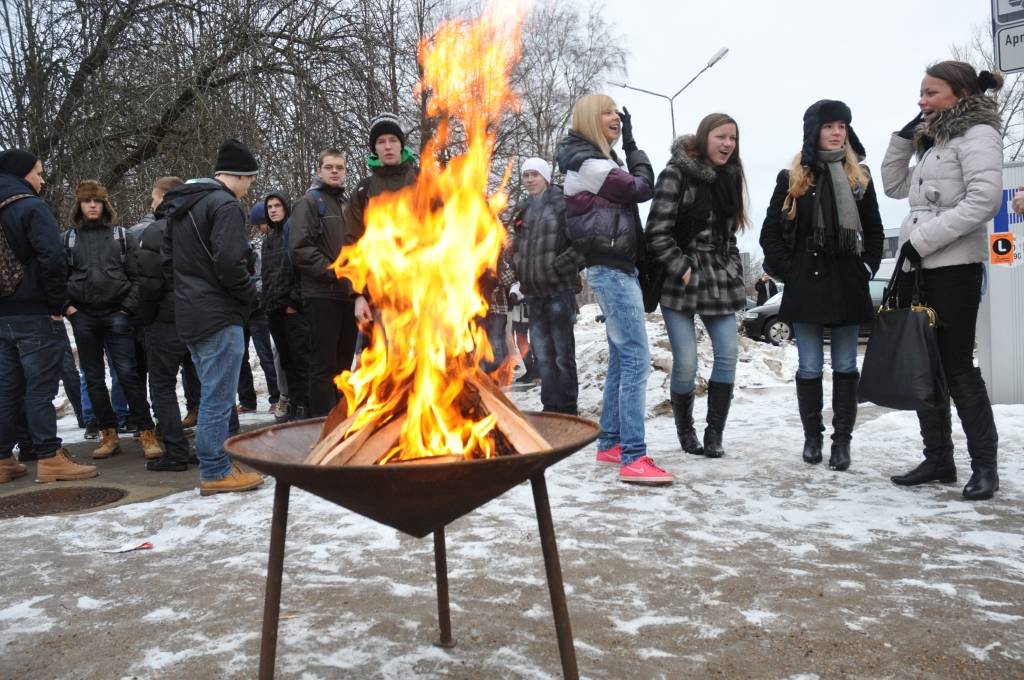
[
  {"x": 102, "y": 273},
  {"x": 683, "y": 233},
  {"x": 32, "y": 234},
  {"x": 380, "y": 180},
  {"x": 539, "y": 243},
  {"x": 601, "y": 203},
  {"x": 766, "y": 290},
  {"x": 280, "y": 277},
  {"x": 206, "y": 251},
  {"x": 156, "y": 289},
  {"x": 316, "y": 240},
  {"x": 821, "y": 288}
]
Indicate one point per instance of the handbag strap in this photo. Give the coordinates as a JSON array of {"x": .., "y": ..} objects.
[{"x": 889, "y": 298}]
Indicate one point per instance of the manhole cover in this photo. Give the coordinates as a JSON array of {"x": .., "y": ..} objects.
[{"x": 63, "y": 499}]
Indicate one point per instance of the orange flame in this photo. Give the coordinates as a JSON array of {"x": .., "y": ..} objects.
[{"x": 426, "y": 247}]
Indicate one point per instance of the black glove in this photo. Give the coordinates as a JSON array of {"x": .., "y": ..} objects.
[
  {"x": 628, "y": 143},
  {"x": 910, "y": 128},
  {"x": 514, "y": 299},
  {"x": 910, "y": 252}
]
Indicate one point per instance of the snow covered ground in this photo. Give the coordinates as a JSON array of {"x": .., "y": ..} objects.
[{"x": 754, "y": 565}]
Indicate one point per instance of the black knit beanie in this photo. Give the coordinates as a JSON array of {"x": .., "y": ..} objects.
[
  {"x": 819, "y": 113},
  {"x": 17, "y": 162},
  {"x": 385, "y": 124},
  {"x": 234, "y": 158}
]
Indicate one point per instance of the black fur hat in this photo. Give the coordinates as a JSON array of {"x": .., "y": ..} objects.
[{"x": 826, "y": 111}]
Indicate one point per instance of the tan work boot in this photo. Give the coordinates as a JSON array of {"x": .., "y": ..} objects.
[
  {"x": 191, "y": 418},
  {"x": 62, "y": 468},
  {"x": 151, "y": 447},
  {"x": 10, "y": 468},
  {"x": 109, "y": 444},
  {"x": 237, "y": 480}
]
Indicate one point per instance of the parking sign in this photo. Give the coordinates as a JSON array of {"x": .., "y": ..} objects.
[{"x": 1008, "y": 35}]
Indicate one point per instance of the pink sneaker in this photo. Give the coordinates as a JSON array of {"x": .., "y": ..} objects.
[
  {"x": 612, "y": 456},
  {"x": 644, "y": 471}
]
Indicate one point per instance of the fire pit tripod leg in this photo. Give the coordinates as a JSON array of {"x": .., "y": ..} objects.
[
  {"x": 563, "y": 628},
  {"x": 272, "y": 596},
  {"x": 444, "y": 617}
]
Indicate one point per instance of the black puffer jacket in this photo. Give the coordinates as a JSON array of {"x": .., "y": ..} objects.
[
  {"x": 102, "y": 273},
  {"x": 280, "y": 277},
  {"x": 156, "y": 289},
  {"x": 316, "y": 240},
  {"x": 206, "y": 252},
  {"x": 33, "y": 235},
  {"x": 380, "y": 180},
  {"x": 540, "y": 242}
]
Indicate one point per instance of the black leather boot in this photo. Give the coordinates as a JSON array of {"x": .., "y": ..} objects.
[
  {"x": 682, "y": 410},
  {"x": 808, "y": 399},
  {"x": 975, "y": 411},
  {"x": 938, "y": 464},
  {"x": 844, "y": 416},
  {"x": 719, "y": 400}
]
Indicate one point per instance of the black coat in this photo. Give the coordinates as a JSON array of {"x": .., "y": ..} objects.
[
  {"x": 102, "y": 275},
  {"x": 33, "y": 235},
  {"x": 206, "y": 252},
  {"x": 539, "y": 242},
  {"x": 280, "y": 277},
  {"x": 821, "y": 288},
  {"x": 316, "y": 240},
  {"x": 156, "y": 290}
]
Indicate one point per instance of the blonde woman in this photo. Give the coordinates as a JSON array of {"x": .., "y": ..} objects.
[
  {"x": 823, "y": 238},
  {"x": 604, "y": 226}
]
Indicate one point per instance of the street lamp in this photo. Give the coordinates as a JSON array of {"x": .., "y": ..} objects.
[{"x": 715, "y": 58}]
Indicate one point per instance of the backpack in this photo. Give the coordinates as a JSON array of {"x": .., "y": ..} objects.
[
  {"x": 71, "y": 238},
  {"x": 12, "y": 269}
]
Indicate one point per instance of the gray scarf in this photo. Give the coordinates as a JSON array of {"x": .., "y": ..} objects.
[{"x": 837, "y": 227}]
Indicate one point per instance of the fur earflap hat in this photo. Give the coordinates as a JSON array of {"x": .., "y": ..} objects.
[
  {"x": 816, "y": 115},
  {"x": 91, "y": 190},
  {"x": 385, "y": 124}
]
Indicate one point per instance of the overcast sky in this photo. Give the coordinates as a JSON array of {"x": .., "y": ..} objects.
[{"x": 783, "y": 56}]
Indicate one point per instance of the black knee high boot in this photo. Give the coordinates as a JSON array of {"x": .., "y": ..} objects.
[
  {"x": 682, "y": 410},
  {"x": 719, "y": 400},
  {"x": 809, "y": 399},
  {"x": 975, "y": 411},
  {"x": 938, "y": 464},
  {"x": 844, "y": 416}
]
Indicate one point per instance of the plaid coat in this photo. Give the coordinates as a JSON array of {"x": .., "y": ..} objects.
[
  {"x": 681, "y": 234},
  {"x": 539, "y": 243}
]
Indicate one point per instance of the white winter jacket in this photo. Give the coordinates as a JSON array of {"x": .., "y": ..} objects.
[{"x": 956, "y": 186}]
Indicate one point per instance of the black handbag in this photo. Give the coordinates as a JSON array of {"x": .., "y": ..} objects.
[
  {"x": 652, "y": 280},
  {"x": 902, "y": 368}
]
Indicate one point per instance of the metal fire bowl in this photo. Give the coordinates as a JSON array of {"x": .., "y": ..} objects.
[{"x": 415, "y": 498}]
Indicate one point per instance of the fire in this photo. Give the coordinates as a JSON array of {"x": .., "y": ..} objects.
[{"x": 426, "y": 247}]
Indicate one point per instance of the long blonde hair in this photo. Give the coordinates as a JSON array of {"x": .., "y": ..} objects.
[
  {"x": 586, "y": 120},
  {"x": 801, "y": 179}
]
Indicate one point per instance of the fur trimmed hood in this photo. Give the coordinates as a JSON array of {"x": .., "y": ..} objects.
[
  {"x": 974, "y": 110},
  {"x": 684, "y": 152}
]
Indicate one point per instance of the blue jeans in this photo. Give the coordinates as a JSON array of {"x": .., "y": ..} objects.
[
  {"x": 494, "y": 325},
  {"x": 111, "y": 334},
  {"x": 683, "y": 338},
  {"x": 629, "y": 360},
  {"x": 31, "y": 349},
  {"x": 218, "y": 358},
  {"x": 117, "y": 398},
  {"x": 554, "y": 350},
  {"x": 810, "y": 346}
]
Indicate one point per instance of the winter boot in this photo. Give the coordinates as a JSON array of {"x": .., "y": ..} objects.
[
  {"x": 61, "y": 467},
  {"x": 682, "y": 409},
  {"x": 151, "y": 447},
  {"x": 284, "y": 409},
  {"x": 237, "y": 479},
  {"x": 808, "y": 399},
  {"x": 844, "y": 416},
  {"x": 191, "y": 418},
  {"x": 719, "y": 400},
  {"x": 938, "y": 464},
  {"x": 10, "y": 469},
  {"x": 975, "y": 411},
  {"x": 109, "y": 444}
]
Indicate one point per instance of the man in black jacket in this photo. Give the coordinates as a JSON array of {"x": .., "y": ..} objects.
[
  {"x": 205, "y": 254},
  {"x": 318, "y": 233},
  {"x": 103, "y": 296},
  {"x": 766, "y": 289},
  {"x": 32, "y": 269}
]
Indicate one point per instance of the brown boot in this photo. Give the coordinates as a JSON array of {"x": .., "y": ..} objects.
[
  {"x": 10, "y": 468},
  {"x": 62, "y": 468},
  {"x": 151, "y": 447},
  {"x": 191, "y": 418},
  {"x": 236, "y": 480},
  {"x": 109, "y": 444}
]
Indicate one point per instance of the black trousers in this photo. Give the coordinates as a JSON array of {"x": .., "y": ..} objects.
[
  {"x": 332, "y": 339},
  {"x": 190, "y": 382},
  {"x": 291, "y": 337},
  {"x": 259, "y": 331},
  {"x": 113, "y": 331},
  {"x": 166, "y": 354}
]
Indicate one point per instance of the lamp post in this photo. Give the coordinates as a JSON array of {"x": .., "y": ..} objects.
[{"x": 715, "y": 58}]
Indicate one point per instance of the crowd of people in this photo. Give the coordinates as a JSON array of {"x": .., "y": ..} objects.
[{"x": 192, "y": 286}]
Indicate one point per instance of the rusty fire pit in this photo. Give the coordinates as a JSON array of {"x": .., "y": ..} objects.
[{"x": 416, "y": 498}]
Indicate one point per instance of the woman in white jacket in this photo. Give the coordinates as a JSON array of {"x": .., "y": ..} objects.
[{"x": 954, "y": 190}]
